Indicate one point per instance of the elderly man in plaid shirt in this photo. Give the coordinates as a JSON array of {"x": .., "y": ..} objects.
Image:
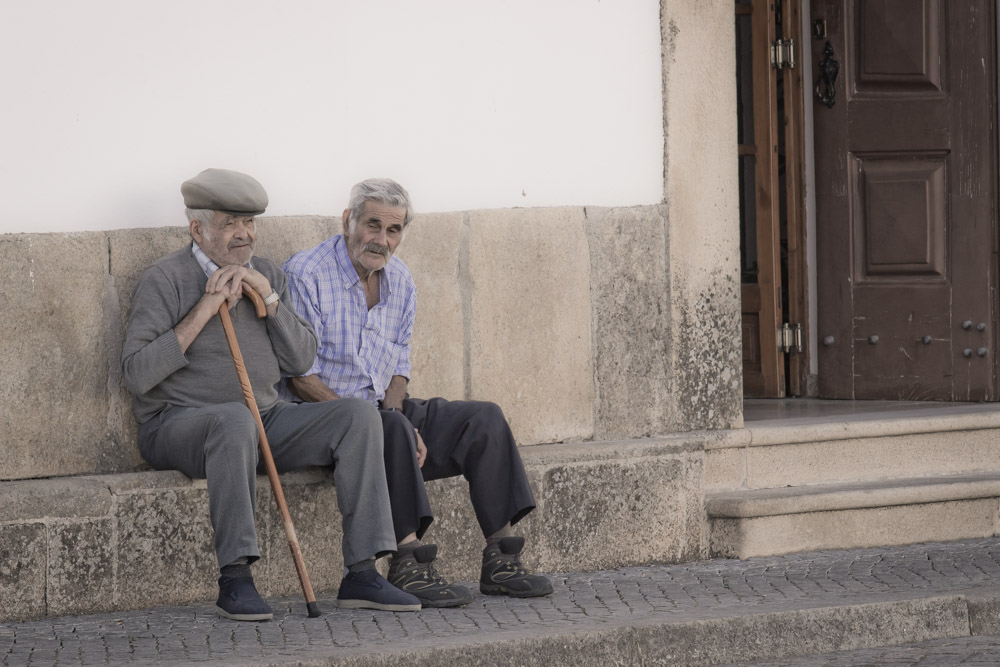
[{"x": 361, "y": 301}]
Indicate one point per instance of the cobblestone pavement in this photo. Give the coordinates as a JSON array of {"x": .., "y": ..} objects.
[
  {"x": 970, "y": 651},
  {"x": 581, "y": 601}
]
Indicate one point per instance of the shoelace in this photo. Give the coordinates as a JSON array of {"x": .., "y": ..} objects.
[
  {"x": 426, "y": 569},
  {"x": 511, "y": 563}
]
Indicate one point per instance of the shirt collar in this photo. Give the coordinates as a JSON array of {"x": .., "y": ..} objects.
[{"x": 206, "y": 264}]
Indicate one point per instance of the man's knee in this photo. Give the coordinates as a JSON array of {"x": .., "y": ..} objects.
[
  {"x": 355, "y": 419},
  {"x": 398, "y": 436},
  {"x": 394, "y": 423},
  {"x": 487, "y": 414},
  {"x": 360, "y": 412},
  {"x": 489, "y": 430},
  {"x": 230, "y": 426}
]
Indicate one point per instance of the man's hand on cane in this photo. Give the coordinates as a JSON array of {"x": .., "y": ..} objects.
[{"x": 228, "y": 281}]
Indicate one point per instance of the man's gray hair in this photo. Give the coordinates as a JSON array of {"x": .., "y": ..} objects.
[
  {"x": 203, "y": 215},
  {"x": 385, "y": 191}
]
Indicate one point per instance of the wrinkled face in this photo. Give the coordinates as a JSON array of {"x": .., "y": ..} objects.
[
  {"x": 376, "y": 235},
  {"x": 228, "y": 239}
]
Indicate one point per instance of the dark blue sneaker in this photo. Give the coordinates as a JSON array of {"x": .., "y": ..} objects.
[
  {"x": 369, "y": 590},
  {"x": 240, "y": 601}
]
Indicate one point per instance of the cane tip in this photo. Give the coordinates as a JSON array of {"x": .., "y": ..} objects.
[{"x": 313, "y": 609}]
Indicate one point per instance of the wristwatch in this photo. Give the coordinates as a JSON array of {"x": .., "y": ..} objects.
[{"x": 272, "y": 297}]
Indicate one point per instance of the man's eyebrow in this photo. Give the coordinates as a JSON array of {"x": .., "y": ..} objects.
[{"x": 374, "y": 217}]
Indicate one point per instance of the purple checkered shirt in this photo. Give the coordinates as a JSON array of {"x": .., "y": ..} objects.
[{"x": 359, "y": 349}]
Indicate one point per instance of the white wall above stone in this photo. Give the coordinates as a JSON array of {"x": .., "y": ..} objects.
[{"x": 110, "y": 104}]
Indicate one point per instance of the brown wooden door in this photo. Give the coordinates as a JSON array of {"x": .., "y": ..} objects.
[
  {"x": 905, "y": 196},
  {"x": 763, "y": 365},
  {"x": 771, "y": 170}
]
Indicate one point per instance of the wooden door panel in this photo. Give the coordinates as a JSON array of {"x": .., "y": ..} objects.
[
  {"x": 906, "y": 201},
  {"x": 897, "y": 364},
  {"x": 753, "y": 369},
  {"x": 764, "y": 369},
  {"x": 795, "y": 84},
  {"x": 891, "y": 124},
  {"x": 901, "y": 218},
  {"x": 973, "y": 202},
  {"x": 895, "y": 47}
]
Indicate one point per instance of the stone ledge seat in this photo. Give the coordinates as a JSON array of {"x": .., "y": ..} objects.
[{"x": 73, "y": 545}]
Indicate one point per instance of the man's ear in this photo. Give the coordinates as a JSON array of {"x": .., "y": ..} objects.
[
  {"x": 194, "y": 226},
  {"x": 346, "y": 216}
]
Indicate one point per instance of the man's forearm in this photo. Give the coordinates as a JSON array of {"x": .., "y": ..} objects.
[
  {"x": 196, "y": 319},
  {"x": 395, "y": 393},
  {"x": 311, "y": 389}
]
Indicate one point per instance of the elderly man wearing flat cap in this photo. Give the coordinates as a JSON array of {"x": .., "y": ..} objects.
[{"x": 190, "y": 406}]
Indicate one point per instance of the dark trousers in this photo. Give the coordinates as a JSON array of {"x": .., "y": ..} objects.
[{"x": 468, "y": 438}]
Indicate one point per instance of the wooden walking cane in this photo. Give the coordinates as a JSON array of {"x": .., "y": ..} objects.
[{"x": 265, "y": 448}]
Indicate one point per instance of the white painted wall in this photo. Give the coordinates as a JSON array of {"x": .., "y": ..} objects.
[{"x": 108, "y": 105}]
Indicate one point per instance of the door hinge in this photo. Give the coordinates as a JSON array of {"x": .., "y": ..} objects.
[
  {"x": 790, "y": 338},
  {"x": 783, "y": 54}
]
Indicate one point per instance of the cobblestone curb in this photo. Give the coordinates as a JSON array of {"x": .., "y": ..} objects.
[{"x": 697, "y": 613}]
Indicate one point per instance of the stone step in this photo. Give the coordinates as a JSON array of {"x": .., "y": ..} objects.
[
  {"x": 700, "y": 613},
  {"x": 758, "y": 522},
  {"x": 890, "y": 444},
  {"x": 693, "y": 643},
  {"x": 85, "y": 544}
]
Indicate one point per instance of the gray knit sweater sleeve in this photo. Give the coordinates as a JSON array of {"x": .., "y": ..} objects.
[
  {"x": 293, "y": 340},
  {"x": 156, "y": 371},
  {"x": 152, "y": 352}
]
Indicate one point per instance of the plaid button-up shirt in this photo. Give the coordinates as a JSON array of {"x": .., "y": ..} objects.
[{"x": 359, "y": 349}]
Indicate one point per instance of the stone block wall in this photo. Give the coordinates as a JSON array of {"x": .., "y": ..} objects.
[{"x": 563, "y": 316}]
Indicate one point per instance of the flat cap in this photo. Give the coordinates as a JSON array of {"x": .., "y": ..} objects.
[{"x": 225, "y": 190}]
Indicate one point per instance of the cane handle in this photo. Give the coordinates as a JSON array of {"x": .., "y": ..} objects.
[{"x": 258, "y": 302}]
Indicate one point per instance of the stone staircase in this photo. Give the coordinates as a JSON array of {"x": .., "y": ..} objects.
[{"x": 890, "y": 474}]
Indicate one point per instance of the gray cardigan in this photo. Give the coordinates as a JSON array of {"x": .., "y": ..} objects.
[{"x": 159, "y": 374}]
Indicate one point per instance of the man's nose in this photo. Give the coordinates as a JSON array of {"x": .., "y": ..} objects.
[{"x": 382, "y": 237}]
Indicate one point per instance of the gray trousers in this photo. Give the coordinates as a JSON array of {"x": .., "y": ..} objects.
[{"x": 219, "y": 443}]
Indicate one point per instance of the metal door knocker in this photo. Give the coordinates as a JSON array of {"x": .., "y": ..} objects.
[{"x": 826, "y": 91}]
